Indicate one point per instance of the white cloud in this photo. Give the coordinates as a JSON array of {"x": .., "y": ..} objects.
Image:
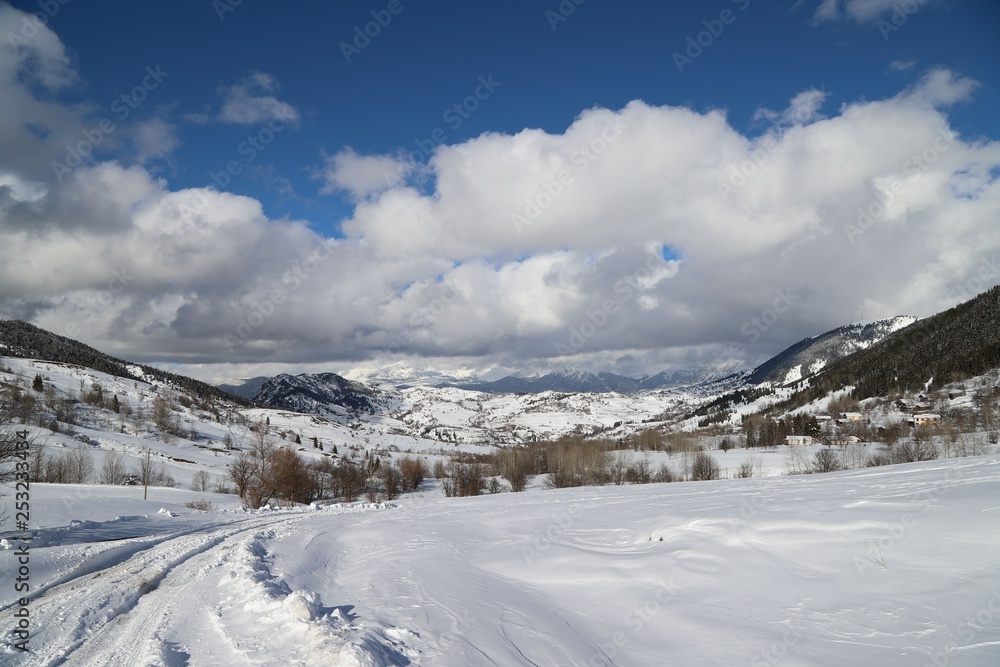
[
  {"x": 450, "y": 271},
  {"x": 363, "y": 175},
  {"x": 154, "y": 139},
  {"x": 34, "y": 130},
  {"x": 250, "y": 102},
  {"x": 802, "y": 109},
  {"x": 902, "y": 65},
  {"x": 941, "y": 87},
  {"x": 859, "y": 11},
  {"x": 33, "y": 49}
]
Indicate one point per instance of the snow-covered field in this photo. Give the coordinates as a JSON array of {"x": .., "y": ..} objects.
[{"x": 897, "y": 565}]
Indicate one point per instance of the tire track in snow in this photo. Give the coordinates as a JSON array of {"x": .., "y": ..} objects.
[{"x": 91, "y": 602}]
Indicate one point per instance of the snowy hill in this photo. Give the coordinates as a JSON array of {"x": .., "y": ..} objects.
[
  {"x": 318, "y": 394},
  {"x": 811, "y": 355}
]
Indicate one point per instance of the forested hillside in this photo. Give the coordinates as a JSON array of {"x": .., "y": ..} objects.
[
  {"x": 959, "y": 343},
  {"x": 20, "y": 339}
]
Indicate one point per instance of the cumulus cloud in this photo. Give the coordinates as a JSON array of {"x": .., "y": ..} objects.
[
  {"x": 940, "y": 87},
  {"x": 34, "y": 65},
  {"x": 802, "y": 109},
  {"x": 251, "y": 101},
  {"x": 636, "y": 238},
  {"x": 362, "y": 176}
]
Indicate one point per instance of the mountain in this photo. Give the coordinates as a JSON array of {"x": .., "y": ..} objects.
[
  {"x": 959, "y": 343},
  {"x": 402, "y": 375},
  {"x": 26, "y": 341},
  {"x": 317, "y": 394},
  {"x": 246, "y": 388},
  {"x": 811, "y": 355},
  {"x": 571, "y": 381}
]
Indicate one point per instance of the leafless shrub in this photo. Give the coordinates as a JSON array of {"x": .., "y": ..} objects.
[
  {"x": 200, "y": 505},
  {"x": 704, "y": 467}
]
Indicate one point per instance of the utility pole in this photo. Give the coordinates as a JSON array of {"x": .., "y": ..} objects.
[{"x": 145, "y": 477}]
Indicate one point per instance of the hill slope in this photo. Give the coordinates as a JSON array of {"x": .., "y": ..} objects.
[
  {"x": 811, "y": 355},
  {"x": 26, "y": 341},
  {"x": 959, "y": 343}
]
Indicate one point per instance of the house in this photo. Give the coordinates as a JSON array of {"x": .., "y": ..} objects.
[
  {"x": 851, "y": 416},
  {"x": 798, "y": 440},
  {"x": 925, "y": 419},
  {"x": 822, "y": 419}
]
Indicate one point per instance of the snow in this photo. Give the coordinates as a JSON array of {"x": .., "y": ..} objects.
[
  {"x": 881, "y": 566},
  {"x": 793, "y": 375}
]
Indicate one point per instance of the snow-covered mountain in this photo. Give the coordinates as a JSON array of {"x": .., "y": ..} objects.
[
  {"x": 401, "y": 375},
  {"x": 317, "y": 394},
  {"x": 811, "y": 355},
  {"x": 524, "y": 407},
  {"x": 456, "y": 415}
]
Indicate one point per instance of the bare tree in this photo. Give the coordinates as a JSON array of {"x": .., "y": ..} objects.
[
  {"x": 200, "y": 481},
  {"x": 241, "y": 471},
  {"x": 391, "y": 481},
  {"x": 294, "y": 481},
  {"x": 263, "y": 482},
  {"x": 753, "y": 466},
  {"x": 113, "y": 468},
  {"x": 618, "y": 470},
  {"x": 352, "y": 480},
  {"x": 79, "y": 466},
  {"x": 413, "y": 470}
]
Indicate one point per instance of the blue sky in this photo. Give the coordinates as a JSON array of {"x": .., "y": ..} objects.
[
  {"x": 396, "y": 91},
  {"x": 371, "y": 150}
]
